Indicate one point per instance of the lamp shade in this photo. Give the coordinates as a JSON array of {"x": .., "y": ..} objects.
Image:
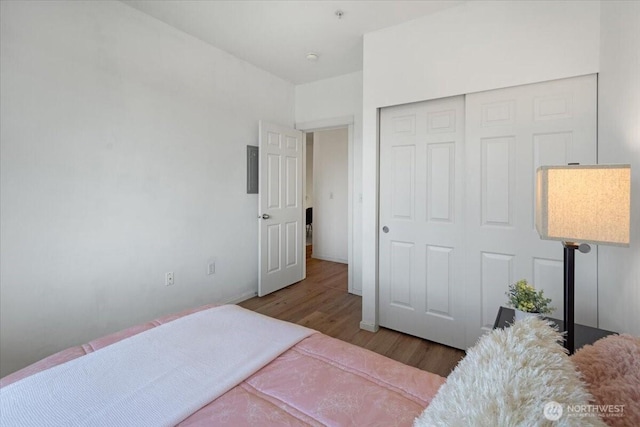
[{"x": 584, "y": 203}]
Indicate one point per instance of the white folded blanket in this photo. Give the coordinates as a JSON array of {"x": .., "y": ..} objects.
[{"x": 155, "y": 378}]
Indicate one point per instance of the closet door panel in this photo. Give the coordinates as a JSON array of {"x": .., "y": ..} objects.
[
  {"x": 509, "y": 133},
  {"x": 421, "y": 228}
]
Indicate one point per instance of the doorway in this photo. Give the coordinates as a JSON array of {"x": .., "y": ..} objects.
[
  {"x": 345, "y": 122},
  {"x": 308, "y": 197},
  {"x": 327, "y": 194}
]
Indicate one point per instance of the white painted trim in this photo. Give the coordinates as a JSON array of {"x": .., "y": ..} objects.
[
  {"x": 350, "y": 167},
  {"x": 329, "y": 258},
  {"x": 303, "y": 237},
  {"x": 239, "y": 298},
  {"x": 327, "y": 124},
  {"x": 369, "y": 327},
  {"x": 370, "y": 180}
]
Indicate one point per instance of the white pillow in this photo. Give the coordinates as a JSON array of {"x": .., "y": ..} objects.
[{"x": 507, "y": 378}]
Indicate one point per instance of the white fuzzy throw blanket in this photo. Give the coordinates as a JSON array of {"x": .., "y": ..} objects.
[
  {"x": 508, "y": 378},
  {"x": 155, "y": 378}
]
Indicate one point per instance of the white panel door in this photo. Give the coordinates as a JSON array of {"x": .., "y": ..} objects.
[
  {"x": 509, "y": 133},
  {"x": 280, "y": 210},
  {"x": 421, "y": 228}
]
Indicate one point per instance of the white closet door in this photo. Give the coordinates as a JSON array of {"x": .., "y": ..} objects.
[
  {"x": 421, "y": 229},
  {"x": 509, "y": 133}
]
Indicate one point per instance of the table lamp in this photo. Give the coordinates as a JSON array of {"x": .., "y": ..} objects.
[{"x": 581, "y": 204}]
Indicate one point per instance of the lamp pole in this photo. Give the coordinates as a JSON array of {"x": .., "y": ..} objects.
[{"x": 569, "y": 287}]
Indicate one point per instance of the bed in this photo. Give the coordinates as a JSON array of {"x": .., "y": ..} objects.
[{"x": 317, "y": 380}]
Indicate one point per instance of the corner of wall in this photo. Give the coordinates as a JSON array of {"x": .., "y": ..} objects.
[{"x": 619, "y": 142}]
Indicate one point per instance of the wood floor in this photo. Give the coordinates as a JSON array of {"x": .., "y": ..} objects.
[{"x": 321, "y": 302}]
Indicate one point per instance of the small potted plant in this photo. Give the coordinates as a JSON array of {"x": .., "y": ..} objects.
[{"x": 526, "y": 301}]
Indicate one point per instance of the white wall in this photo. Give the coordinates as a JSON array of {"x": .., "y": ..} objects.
[
  {"x": 330, "y": 98},
  {"x": 122, "y": 158},
  {"x": 619, "y": 142},
  {"x": 473, "y": 47},
  {"x": 330, "y": 210},
  {"x": 336, "y": 98}
]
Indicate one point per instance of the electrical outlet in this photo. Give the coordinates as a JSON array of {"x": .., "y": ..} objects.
[
  {"x": 211, "y": 268},
  {"x": 168, "y": 278}
]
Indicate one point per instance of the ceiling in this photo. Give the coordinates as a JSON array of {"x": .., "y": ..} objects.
[{"x": 277, "y": 35}]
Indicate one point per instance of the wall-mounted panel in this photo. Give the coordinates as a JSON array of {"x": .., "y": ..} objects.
[
  {"x": 439, "y": 280},
  {"x": 291, "y": 241},
  {"x": 252, "y": 169},
  {"x": 403, "y": 182},
  {"x": 498, "y": 180},
  {"x": 274, "y": 176},
  {"x": 291, "y": 182},
  {"x": 274, "y": 244},
  {"x": 401, "y": 255},
  {"x": 440, "y": 182},
  {"x": 497, "y": 275}
]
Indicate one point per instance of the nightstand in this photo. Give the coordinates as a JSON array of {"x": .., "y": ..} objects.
[{"x": 583, "y": 334}]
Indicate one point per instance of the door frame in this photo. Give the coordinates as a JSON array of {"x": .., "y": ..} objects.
[{"x": 328, "y": 124}]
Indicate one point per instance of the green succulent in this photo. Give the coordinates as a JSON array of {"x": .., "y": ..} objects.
[{"x": 523, "y": 296}]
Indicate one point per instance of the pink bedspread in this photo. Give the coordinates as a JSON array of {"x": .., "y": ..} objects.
[{"x": 319, "y": 381}]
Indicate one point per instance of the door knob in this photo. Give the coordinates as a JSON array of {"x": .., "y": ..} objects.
[
  {"x": 385, "y": 229},
  {"x": 265, "y": 216}
]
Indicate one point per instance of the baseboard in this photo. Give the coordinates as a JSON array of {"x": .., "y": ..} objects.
[
  {"x": 328, "y": 258},
  {"x": 369, "y": 327},
  {"x": 240, "y": 298},
  {"x": 356, "y": 292}
]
